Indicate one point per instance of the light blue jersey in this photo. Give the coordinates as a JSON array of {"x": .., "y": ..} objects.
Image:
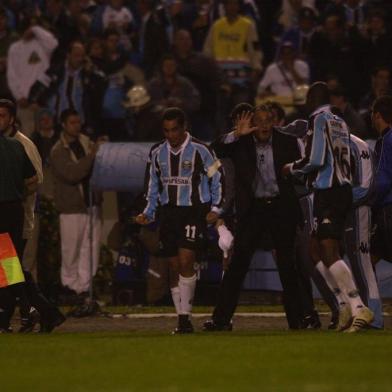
[
  {"x": 190, "y": 176},
  {"x": 327, "y": 151},
  {"x": 362, "y": 170}
]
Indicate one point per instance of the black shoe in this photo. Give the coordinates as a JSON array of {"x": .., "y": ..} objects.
[
  {"x": 184, "y": 325},
  {"x": 28, "y": 323},
  {"x": 333, "y": 324},
  {"x": 311, "y": 321},
  {"x": 55, "y": 319},
  {"x": 212, "y": 326},
  {"x": 6, "y": 330}
]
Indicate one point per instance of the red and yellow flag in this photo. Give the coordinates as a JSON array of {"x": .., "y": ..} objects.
[{"x": 10, "y": 268}]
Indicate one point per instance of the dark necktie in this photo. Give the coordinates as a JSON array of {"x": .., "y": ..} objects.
[{"x": 68, "y": 91}]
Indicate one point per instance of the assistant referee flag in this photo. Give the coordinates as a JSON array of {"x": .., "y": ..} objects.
[{"x": 10, "y": 268}]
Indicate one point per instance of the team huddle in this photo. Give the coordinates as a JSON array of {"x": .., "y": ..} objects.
[{"x": 186, "y": 190}]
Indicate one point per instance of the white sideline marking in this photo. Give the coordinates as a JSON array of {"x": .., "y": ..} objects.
[{"x": 201, "y": 315}]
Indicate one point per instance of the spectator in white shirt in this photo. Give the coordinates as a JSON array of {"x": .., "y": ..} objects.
[
  {"x": 284, "y": 75},
  {"x": 28, "y": 59},
  {"x": 117, "y": 16}
]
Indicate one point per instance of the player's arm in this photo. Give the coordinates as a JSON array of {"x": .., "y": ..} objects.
[
  {"x": 214, "y": 171},
  {"x": 152, "y": 191},
  {"x": 297, "y": 128},
  {"x": 314, "y": 152}
]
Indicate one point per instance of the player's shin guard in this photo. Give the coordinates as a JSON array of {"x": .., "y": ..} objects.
[
  {"x": 343, "y": 277},
  {"x": 175, "y": 293},
  {"x": 187, "y": 288}
]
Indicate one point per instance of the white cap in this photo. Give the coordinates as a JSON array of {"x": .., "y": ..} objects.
[
  {"x": 137, "y": 96},
  {"x": 226, "y": 239}
]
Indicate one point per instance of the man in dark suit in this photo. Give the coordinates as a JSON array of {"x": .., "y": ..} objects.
[{"x": 267, "y": 209}]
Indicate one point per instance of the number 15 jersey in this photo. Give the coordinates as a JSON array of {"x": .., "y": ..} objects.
[{"x": 327, "y": 151}]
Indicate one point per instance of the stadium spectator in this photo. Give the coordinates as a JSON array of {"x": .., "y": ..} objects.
[
  {"x": 203, "y": 72},
  {"x": 115, "y": 15},
  {"x": 354, "y": 121},
  {"x": 7, "y": 36},
  {"x": 284, "y": 75},
  {"x": 233, "y": 42},
  {"x": 45, "y": 137},
  {"x": 28, "y": 59},
  {"x": 290, "y": 12},
  {"x": 352, "y": 11},
  {"x": 75, "y": 84},
  {"x": 336, "y": 50},
  {"x": 379, "y": 39},
  {"x": 56, "y": 17},
  {"x": 96, "y": 52},
  {"x": 168, "y": 88},
  {"x": 152, "y": 38},
  {"x": 145, "y": 116},
  {"x": 201, "y": 19},
  {"x": 72, "y": 158},
  {"x": 172, "y": 16},
  {"x": 300, "y": 35},
  {"x": 121, "y": 75}
]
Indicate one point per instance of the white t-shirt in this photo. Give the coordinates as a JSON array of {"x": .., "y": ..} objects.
[
  {"x": 275, "y": 81},
  {"x": 119, "y": 17}
]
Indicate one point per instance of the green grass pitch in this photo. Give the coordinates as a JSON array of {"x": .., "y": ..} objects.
[{"x": 237, "y": 361}]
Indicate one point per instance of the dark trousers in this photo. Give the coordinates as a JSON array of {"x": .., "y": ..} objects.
[
  {"x": 266, "y": 226},
  {"x": 11, "y": 222},
  {"x": 28, "y": 293}
]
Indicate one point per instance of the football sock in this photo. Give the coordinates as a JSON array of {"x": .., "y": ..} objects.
[
  {"x": 187, "y": 288},
  {"x": 175, "y": 293},
  {"x": 345, "y": 281},
  {"x": 331, "y": 283}
]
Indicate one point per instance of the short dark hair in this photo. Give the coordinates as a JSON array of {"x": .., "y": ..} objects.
[
  {"x": 9, "y": 105},
  {"x": 74, "y": 43},
  {"x": 174, "y": 113},
  {"x": 383, "y": 105},
  {"x": 263, "y": 108},
  {"x": 278, "y": 109},
  {"x": 65, "y": 114},
  {"x": 240, "y": 108},
  {"x": 318, "y": 94}
]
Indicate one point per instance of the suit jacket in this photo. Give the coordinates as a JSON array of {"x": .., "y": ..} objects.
[{"x": 243, "y": 154}]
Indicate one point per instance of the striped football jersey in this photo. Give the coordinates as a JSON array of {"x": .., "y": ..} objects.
[{"x": 190, "y": 176}]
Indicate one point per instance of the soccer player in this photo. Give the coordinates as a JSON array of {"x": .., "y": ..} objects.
[
  {"x": 328, "y": 169},
  {"x": 185, "y": 179}
]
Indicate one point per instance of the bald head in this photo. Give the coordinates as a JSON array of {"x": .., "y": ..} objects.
[{"x": 318, "y": 95}]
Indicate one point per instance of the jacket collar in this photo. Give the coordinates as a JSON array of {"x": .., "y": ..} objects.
[{"x": 324, "y": 108}]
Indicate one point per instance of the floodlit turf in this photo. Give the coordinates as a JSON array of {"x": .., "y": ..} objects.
[{"x": 267, "y": 361}]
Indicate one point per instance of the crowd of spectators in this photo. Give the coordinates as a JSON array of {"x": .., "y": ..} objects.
[{"x": 201, "y": 55}]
